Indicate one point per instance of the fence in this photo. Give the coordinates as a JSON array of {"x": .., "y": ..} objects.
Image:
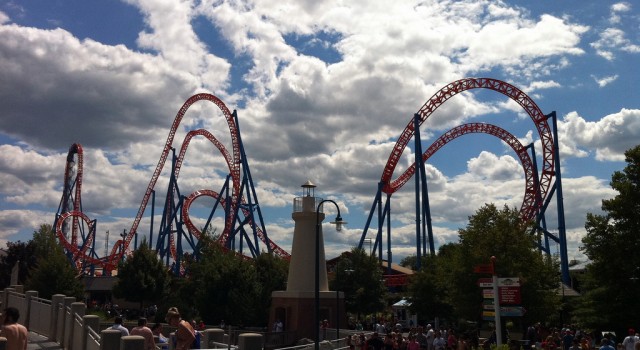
[{"x": 62, "y": 320}]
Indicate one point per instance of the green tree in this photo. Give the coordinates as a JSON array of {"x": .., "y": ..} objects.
[
  {"x": 451, "y": 286},
  {"x": 612, "y": 282},
  {"x": 360, "y": 277},
  {"x": 410, "y": 261},
  {"x": 224, "y": 285},
  {"x": 271, "y": 272},
  {"x": 45, "y": 241},
  {"x": 142, "y": 277},
  {"x": 501, "y": 233},
  {"x": 17, "y": 252},
  {"x": 53, "y": 273},
  {"x": 428, "y": 291}
]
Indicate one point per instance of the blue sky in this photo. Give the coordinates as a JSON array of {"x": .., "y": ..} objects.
[{"x": 322, "y": 90}]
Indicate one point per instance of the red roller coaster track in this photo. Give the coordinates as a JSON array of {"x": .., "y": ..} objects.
[
  {"x": 122, "y": 245},
  {"x": 529, "y": 202},
  {"x": 110, "y": 261},
  {"x": 72, "y": 196},
  {"x": 539, "y": 119}
]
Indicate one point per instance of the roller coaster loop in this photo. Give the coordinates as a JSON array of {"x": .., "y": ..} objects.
[{"x": 70, "y": 207}]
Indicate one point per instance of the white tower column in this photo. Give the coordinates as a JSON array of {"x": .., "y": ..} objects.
[{"x": 303, "y": 250}]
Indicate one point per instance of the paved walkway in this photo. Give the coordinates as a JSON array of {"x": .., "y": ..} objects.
[{"x": 37, "y": 342}]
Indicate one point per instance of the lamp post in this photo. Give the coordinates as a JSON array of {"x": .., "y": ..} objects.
[{"x": 338, "y": 224}]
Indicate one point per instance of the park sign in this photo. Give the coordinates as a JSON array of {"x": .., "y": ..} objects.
[
  {"x": 487, "y": 293},
  {"x": 509, "y": 282},
  {"x": 509, "y": 295},
  {"x": 487, "y": 304},
  {"x": 488, "y": 315},
  {"x": 485, "y": 282},
  {"x": 512, "y": 311}
]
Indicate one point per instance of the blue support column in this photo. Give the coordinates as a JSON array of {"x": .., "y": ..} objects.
[
  {"x": 424, "y": 234},
  {"x": 564, "y": 258},
  {"x": 418, "y": 158},
  {"x": 153, "y": 208}
]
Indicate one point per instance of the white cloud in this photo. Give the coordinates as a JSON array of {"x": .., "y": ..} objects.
[
  {"x": 14, "y": 221},
  {"x": 489, "y": 166},
  {"x": 617, "y": 9},
  {"x": 621, "y": 7},
  {"x": 604, "y": 81},
  {"x": 171, "y": 34},
  {"x": 611, "y": 40},
  {"x": 107, "y": 95},
  {"x": 609, "y": 137},
  {"x": 540, "y": 85},
  {"x": 4, "y": 18},
  {"x": 522, "y": 42}
]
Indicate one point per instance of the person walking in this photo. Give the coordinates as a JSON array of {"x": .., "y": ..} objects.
[
  {"x": 145, "y": 332},
  {"x": 185, "y": 334},
  {"x": 15, "y": 333}
]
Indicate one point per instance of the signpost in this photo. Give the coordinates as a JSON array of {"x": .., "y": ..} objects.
[
  {"x": 497, "y": 292},
  {"x": 496, "y": 302}
]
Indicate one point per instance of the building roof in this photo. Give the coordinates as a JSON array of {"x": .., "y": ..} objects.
[
  {"x": 402, "y": 303},
  {"x": 103, "y": 283},
  {"x": 397, "y": 269}
]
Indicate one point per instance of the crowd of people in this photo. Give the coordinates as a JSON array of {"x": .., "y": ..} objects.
[
  {"x": 418, "y": 338},
  {"x": 573, "y": 338},
  {"x": 536, "y": 337},
  {"x": 383, "y": 337},
  {"x": 187, "y": 334}
]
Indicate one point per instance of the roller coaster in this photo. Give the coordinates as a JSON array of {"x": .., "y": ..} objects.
[
  {"x": 244, "y": 228},
  {"x": 539, "y": 189},
  {"x": 243, "y": 231}
]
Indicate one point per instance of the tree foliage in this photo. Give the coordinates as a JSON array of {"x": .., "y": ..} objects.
[
  {"x": 22, "y": 252},
  {"x": 225, "y": 286},
  {"x": 52, "y": 273},
  {"x": 428, "y": 291},
  {"x": 142, "y": 277},
  {"x": 271, "y": 272},
  {"x": 611, "y": 283},
  {"x": 360, "y": 277},
  {"x": 446, "y": 287}
]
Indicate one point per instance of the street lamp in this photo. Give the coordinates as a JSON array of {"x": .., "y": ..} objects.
[{"x": 338, "y": 222}]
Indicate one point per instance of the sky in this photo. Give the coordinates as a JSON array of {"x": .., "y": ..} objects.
[{"x": 323, "y": 90}]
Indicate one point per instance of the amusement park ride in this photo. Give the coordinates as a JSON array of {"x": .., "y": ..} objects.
[{"x": 244, "y": 228}]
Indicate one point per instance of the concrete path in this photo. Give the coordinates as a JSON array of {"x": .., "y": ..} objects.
[{"x": 37, "y": 342}]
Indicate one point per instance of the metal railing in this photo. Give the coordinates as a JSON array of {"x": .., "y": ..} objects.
[{"x": 93, "y": 340}]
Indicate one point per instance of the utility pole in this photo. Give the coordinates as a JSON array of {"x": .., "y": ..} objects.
[{"x": 106, "y": 244}]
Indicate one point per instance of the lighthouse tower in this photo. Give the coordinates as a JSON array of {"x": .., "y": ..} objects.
[
  {"x": 295, "y": 306},
  {"x": 303, "y": 255}
]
